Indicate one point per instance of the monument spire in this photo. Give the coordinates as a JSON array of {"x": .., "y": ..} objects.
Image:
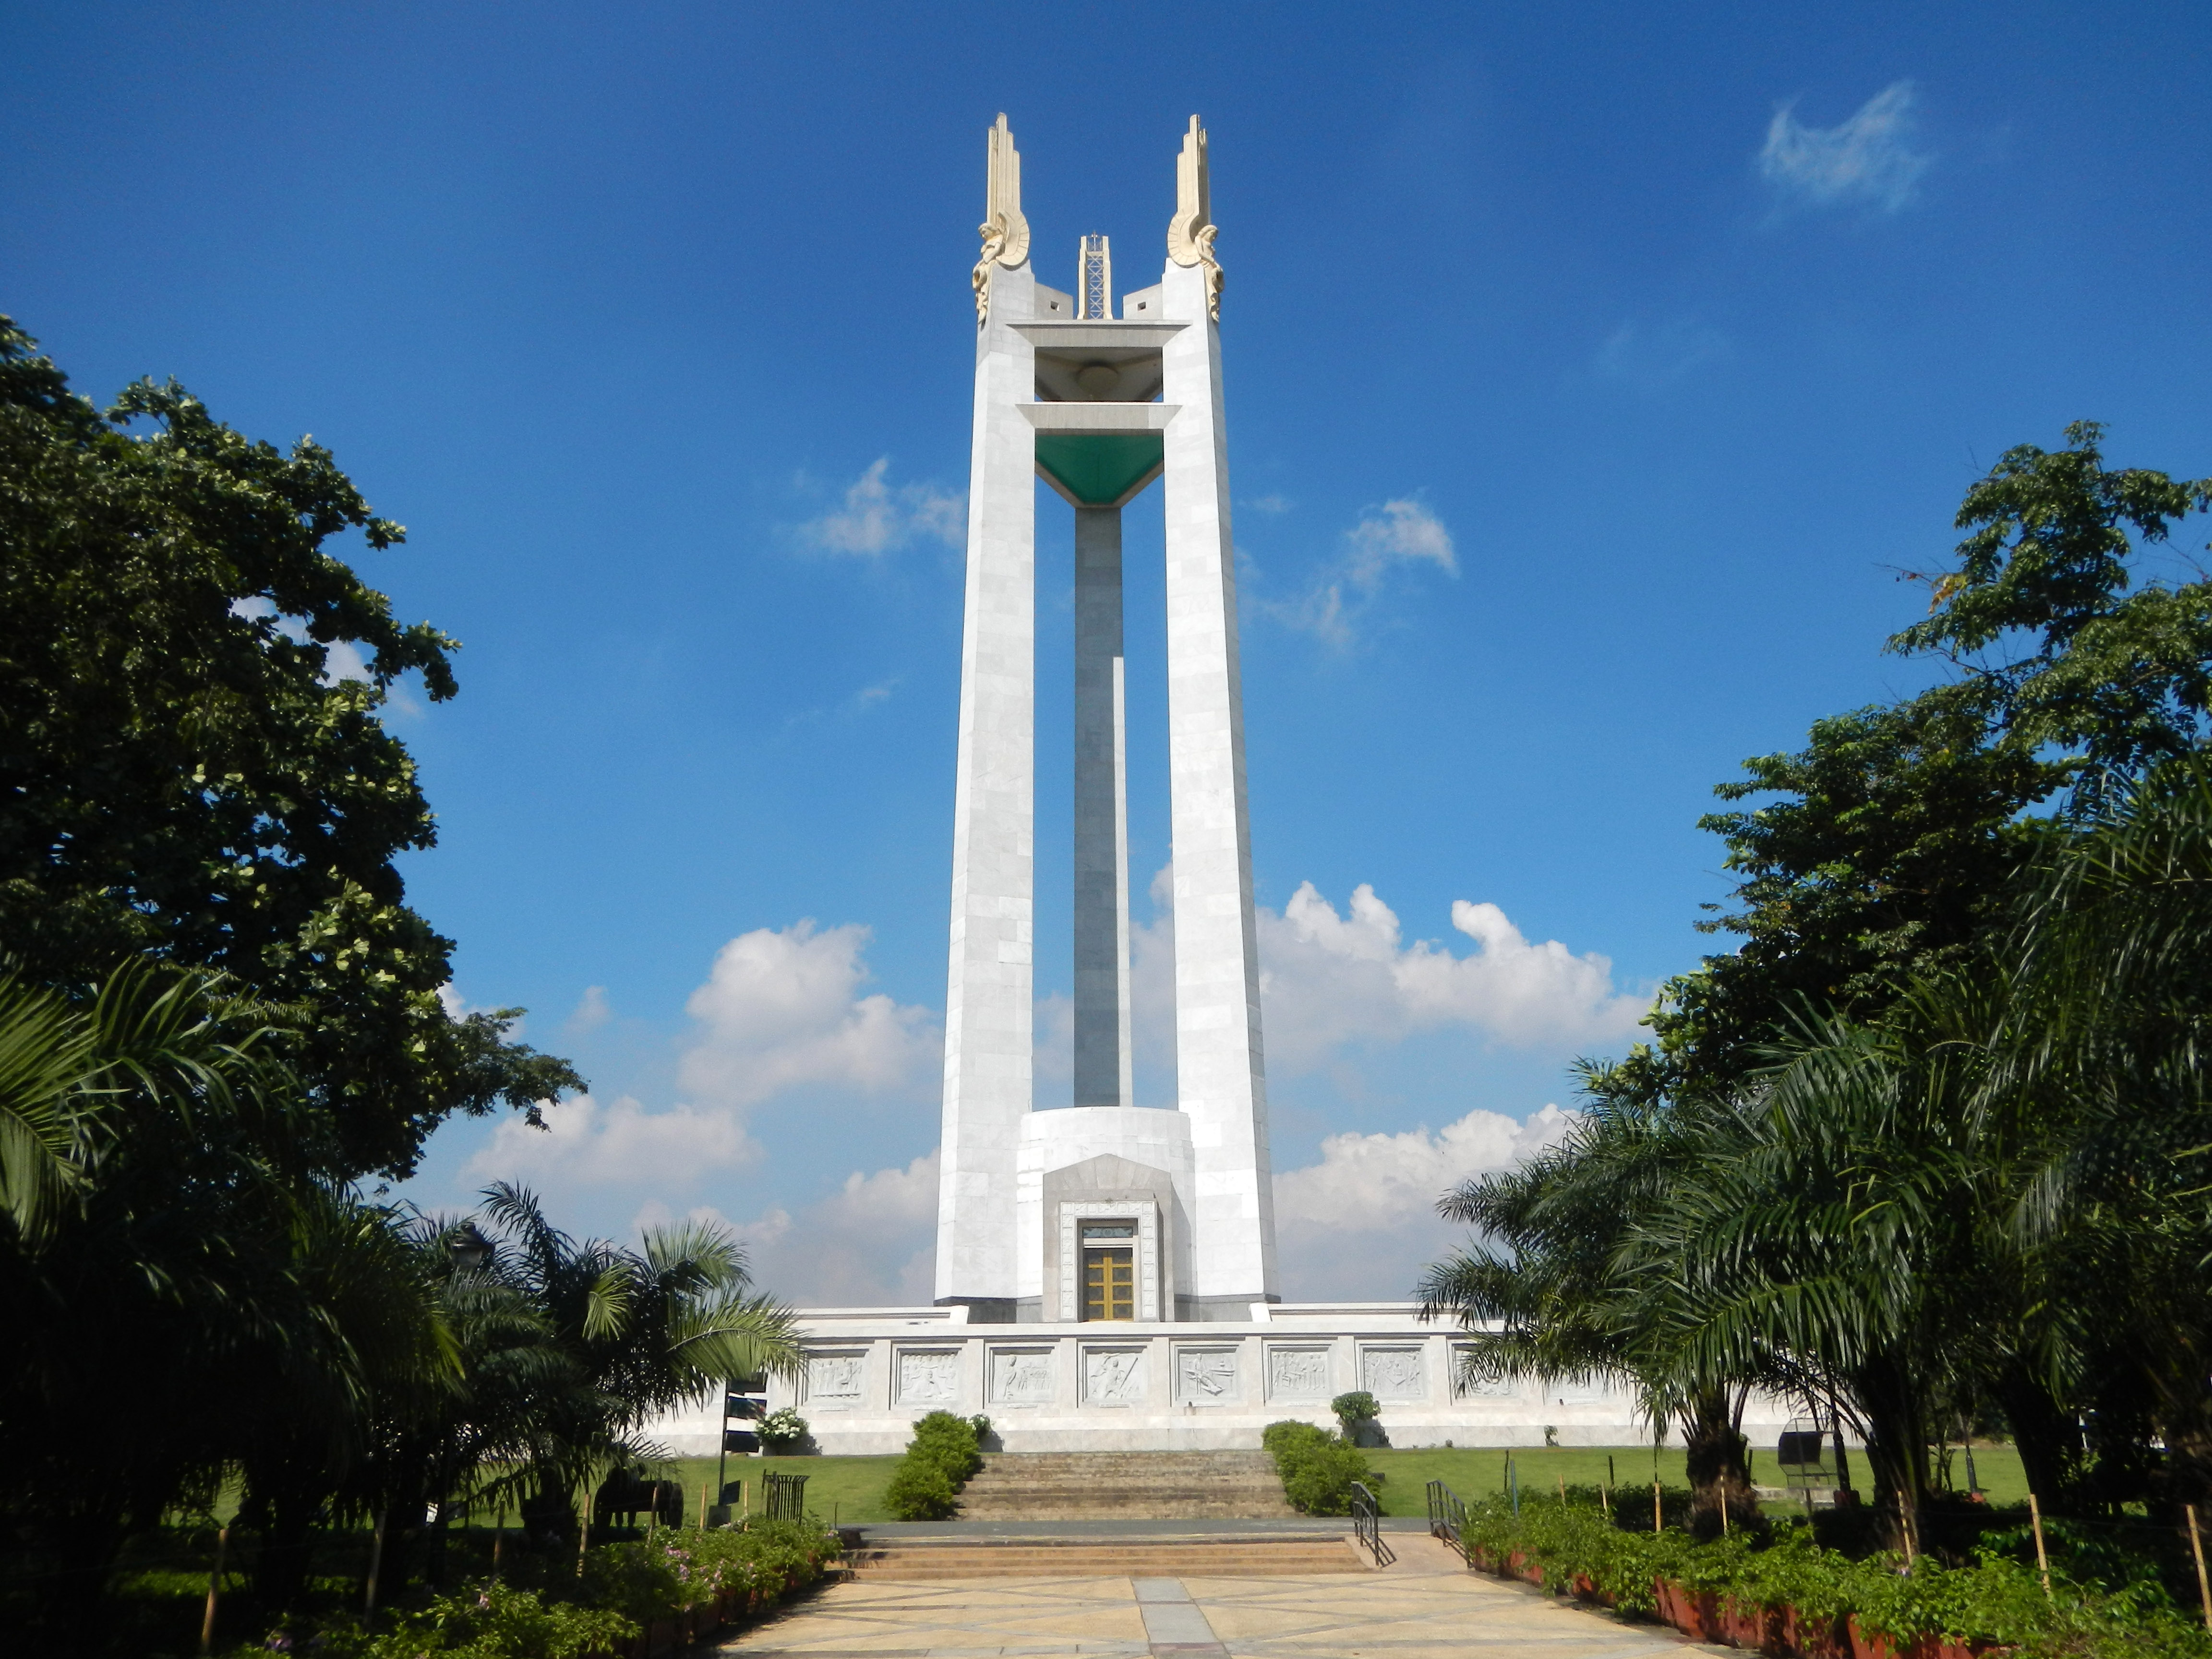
[{"x": 1172, "y": 1206}]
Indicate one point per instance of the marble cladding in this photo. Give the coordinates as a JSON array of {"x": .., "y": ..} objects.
[{"x": 869, "y": 1373}]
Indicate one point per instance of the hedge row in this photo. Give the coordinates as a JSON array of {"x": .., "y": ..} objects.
[
  {"x": 1778, "y": 1587},
  {"x": 628, "y": 1600},
  {"x": 1317, "y": 1468},
  {"x": 945, "y": 1451}
]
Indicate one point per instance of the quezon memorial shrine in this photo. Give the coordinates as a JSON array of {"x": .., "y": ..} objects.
[{"x": 1106, "y": 1275}]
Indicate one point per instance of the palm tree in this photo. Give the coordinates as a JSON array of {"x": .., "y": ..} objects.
[{"x": 638, "y": 1333}]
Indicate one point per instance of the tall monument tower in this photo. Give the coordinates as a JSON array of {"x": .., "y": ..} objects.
[{"x": 1103, "y": 1210}]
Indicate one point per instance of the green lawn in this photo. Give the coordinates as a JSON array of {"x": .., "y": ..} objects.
[
  {"x": 1473, "y": 1472},
  {"x": 837, "y": 1488}
]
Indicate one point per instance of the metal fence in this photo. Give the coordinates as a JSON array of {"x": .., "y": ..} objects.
[
  {"x": 783, "y": 1497},
  {"x": 1367, "y": 1522}
]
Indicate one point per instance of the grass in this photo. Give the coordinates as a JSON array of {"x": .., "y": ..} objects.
[
  {"x": 838, "y": 1489},
  {"x": 1472, "y": 1473}
]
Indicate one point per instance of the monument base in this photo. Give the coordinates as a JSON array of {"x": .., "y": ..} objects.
[{"x": 1209, "y": 1385}]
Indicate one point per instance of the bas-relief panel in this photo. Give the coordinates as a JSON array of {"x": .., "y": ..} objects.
[
  {"x": 1206, "y": 1376},
  {"x": 928, "y": 1377},
  {"x": 1113, "y": 1377},
  {"x": 1021, "y": 1377},
  {"x": 833, "y": 1380},
  {"x": 1464, "y": 1387},
  {"x": 1393, "y": 1373},
  {"x": 1297, "y": 1373}
]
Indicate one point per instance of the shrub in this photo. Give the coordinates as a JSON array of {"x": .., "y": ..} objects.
[
  {"x": 920, "y": 1491},
  {"x": 491, "y": 1622},
  {"x": 945, "y": 1451},
  {"x": 1317, "y": 1468},
  {"x": 784, "y": 1430},
  {"x": 1995, "y": 1601}
]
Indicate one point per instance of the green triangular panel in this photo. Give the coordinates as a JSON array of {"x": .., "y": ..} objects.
[{"x": 1099, "y": 468}]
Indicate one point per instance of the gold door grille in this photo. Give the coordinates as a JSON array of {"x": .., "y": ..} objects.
[{"x": 1110, "y": 1283}]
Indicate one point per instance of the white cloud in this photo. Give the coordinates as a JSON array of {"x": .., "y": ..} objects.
[
  {"x": 782, "y": 1012},
  {"x": 877, "y": 517},
  {"x": 1328, "y": 980},
  {"x": 592, "y": 1010},
  {"x": 1650, "y": 358},
  {"x": 1398, "y": 533},
  {"x": 1868, "y": 158},
  {"x": 588, "y": 1143},
  {"x": 870, "y": 1243},
  {"x": 1402, "y": 531},
  {"x": 783, "y": 1009},
  {"x": 1363, "y": 1221},
  {"x": 1270, "y": 505}
]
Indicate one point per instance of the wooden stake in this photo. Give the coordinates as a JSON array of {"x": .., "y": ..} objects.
[
  {"x": 2041, "y": 1560},
  {"x": 1724, "y": 1525},
  {"x": 223, "y": 1543},
  {"x": 702, "y": 1506},
  {"x": 1563, "y": 1491},
  {"x": 498, "y": 1542},
  {"x": 375, "y": 1563},
  {"x": 2197, "y": 1548},
  {"x": 583, "y": 1541},
  {"x": 1658, "y": 1518},
  {"x": 1905, "y": 1526}
]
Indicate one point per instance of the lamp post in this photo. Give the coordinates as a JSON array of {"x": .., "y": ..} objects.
[{"x": 467, "y": 1248}]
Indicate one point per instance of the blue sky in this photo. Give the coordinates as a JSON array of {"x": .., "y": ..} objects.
[{"x": 1591, "y": 371}]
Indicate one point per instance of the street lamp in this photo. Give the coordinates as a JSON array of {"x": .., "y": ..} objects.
[{"x": 468, "y": 1248}]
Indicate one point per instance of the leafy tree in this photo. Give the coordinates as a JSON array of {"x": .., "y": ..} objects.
[
  {"x": 185, "y": 771},
  {"x": 1882, "y": 850}
]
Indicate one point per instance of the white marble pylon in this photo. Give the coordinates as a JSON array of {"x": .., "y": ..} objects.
[
  {"x": 988, "y": 990},
  {"x": 1220, "y": 1065},
  {"x": 1099, "y": 407}
]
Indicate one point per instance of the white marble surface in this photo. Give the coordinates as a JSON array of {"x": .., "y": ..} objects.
[{"x": 1207, "y": 1386}]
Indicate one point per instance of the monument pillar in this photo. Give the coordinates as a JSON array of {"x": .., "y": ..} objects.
[
  {"x": 1220, "y": 1068},
  {"x": 988, "y": 983}
]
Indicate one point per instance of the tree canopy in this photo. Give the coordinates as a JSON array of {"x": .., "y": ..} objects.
[{"x": 191, "y": 761}]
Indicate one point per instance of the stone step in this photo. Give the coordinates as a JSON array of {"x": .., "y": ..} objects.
[
  {"x": 1182, "y": 1557},
  {"x": 1151, "y": 1485}
]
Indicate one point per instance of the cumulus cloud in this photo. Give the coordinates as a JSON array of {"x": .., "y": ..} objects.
[
  {"x": 1868, "y": 159},
  {"x": 783, "y": 1008},
  {"x": 587, "y": 1142},
  {"x": 870, "y": 1243},
  {"x": 1386, "y": 539},
  {"x": 783, "y": 1011},
  {"x": 1330, "y": 980},
  {"x": 1363, "y": 1221},
  {"x": 879, "y": 517},
  {"x": 592, "y": 1010}
]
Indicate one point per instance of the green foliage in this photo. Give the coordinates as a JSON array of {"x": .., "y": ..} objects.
[
  {"x": 1317, "y": 1468},
  {"x": 1359, "y": 1407},
  {"x": 491, "y": 1621},
  {"x": 783, "y": 1430},
  {"x": 681, "y": 1570},
  {"x": 945, "y": 1450},
  {"x": 1930, "y": 1146},
  {"x": 1993, "y": 1599},
  {"x": 183, "y": 772}
]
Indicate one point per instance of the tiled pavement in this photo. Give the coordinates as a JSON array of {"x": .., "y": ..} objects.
[{"x": 1427, "y": 1604}]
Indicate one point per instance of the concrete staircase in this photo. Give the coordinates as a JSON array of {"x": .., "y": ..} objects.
[
  {"x": 1233, "y": 1485},
  {"x": 1213, "y": 1556}
]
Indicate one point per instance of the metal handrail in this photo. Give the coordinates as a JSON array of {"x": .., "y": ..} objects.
[
  {"x": 1367, "y": 1522},
  {"x": 1448, "y": 1518}
]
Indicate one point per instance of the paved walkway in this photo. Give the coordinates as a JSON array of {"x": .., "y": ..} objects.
[{"x": 1428, "y": 1604}]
